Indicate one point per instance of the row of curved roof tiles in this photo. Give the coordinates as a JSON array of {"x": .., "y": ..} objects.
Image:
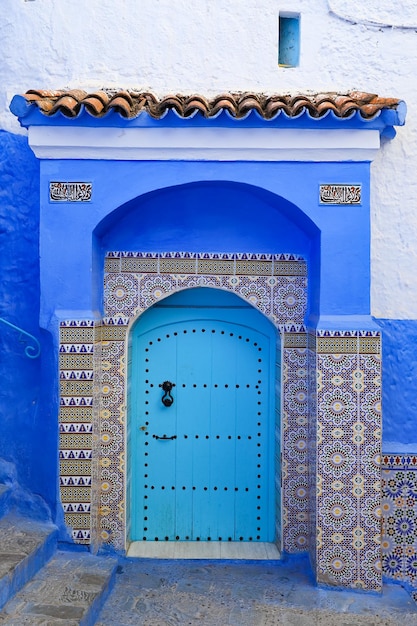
[{"x": 130, "y": 104}]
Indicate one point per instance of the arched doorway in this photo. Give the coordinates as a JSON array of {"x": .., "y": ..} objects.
[
  {"x": 273, "y": 280},
  {"x": 202, "y": 452}
]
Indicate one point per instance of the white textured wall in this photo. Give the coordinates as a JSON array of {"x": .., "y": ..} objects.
[{"x": 211, "y": 46}]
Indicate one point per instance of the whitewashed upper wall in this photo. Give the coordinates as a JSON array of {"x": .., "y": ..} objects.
[{"x": 211, "y": 46}]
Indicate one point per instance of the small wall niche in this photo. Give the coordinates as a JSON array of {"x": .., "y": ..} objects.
[{"x": 288, "y": 39}]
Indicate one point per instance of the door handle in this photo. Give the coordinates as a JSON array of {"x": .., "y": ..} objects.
[
  {"x": 164, "y": 438},
  {"x": 167, "y": 399}
]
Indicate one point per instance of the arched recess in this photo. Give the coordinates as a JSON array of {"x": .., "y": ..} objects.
[
  {"x": 216, "y": 475},
  {"x": 215, "y": 216}
]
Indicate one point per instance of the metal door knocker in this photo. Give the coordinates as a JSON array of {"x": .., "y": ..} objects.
[{"x": 167, "y": 399}]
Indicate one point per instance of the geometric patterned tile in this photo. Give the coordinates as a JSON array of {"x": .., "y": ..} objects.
[
  {"x": 294, "y": 450},
  {"x": 348, "y": 503},
  {"x": 75, "y": 424},
  {"x": 399, "y": 524}
]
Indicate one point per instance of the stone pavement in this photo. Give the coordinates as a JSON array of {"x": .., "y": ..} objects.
[
  {"x": 25, "y": 546},
  {"x": 68, "y": 591},
  {"x": 152, "y": 592}
]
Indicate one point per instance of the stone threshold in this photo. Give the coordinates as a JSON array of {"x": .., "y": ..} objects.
[{"x": 257, "y": 551}]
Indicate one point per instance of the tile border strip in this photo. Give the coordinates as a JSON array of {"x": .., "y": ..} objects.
[
  {"x": 76, "y": 377},
  {"x": 401, "y": 461}
]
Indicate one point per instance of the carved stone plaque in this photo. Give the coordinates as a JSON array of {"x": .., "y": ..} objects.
[
  {"x": 70, "y": 192},
  {"x": 340, "y": 194}
]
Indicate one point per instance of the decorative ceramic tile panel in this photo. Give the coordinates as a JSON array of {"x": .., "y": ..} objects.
[
  {"x": 121, "y": 294},
  {"x": 76, "y": 373},
  {"x": 112, "y": 433},
  {"x": 399, "y": 517},
  {"x": 294, "y": 447},
  {"x": 348, "y": 500},
  {"x": 135, "y": 281},
  {"x": 313, "y": 536},
  {"x": 282, "y": 297},
  {"x": 95, "y": 468}
]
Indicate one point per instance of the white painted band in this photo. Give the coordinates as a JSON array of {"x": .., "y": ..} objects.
[{"x": 203, "y": 144}]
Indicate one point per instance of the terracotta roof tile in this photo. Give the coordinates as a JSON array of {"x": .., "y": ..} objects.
[{"x": 130, "y": 104}]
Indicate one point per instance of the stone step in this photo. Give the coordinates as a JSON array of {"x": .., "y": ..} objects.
[
  {"x": 71, "y": 589},
  {"x": 25, "y": 547},
  {"x": 5, "y": 493}
]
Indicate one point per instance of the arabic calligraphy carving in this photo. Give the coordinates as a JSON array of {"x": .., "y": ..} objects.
[
  {"x": 70, "y": 192},
  {"x": 340, "y": 194}
]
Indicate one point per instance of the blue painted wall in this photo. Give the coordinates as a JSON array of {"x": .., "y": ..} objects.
[
  {"x": 399, "y": 385},
  {"x": 28, "y": 437},
  {"x": 344, "y": 277}
]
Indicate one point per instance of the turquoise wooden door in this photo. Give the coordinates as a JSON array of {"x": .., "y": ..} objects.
[{"x": 203, "y": 466}]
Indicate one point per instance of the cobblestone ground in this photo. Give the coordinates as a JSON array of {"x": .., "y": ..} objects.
[{"x": 216, "y": 593}]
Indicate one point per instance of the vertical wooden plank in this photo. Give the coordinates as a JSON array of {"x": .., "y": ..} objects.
[
  {"x": 156, "y": 457},
  {"x": 200, "y": 428},
  {"x": 192, "y": 412},
  {"x": 246, "y": 448},
  {"x": 222, "y": 461}
]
